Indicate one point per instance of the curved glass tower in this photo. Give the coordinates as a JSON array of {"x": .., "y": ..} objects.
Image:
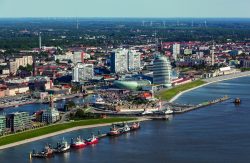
[{"x": 162, "y": 71}]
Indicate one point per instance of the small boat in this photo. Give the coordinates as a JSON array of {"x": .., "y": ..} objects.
[
  {"x": 135, "y": 126},
  {"x": 237, "y": 101},
  {"x": 62, "y": 147},
  {"x": 92, "y": 140},
  {"x": 79, "y": 143},
  {"x": 47, "y": 152},
  {"x": 114, "y": 131},
  {"x": 126, "y": 128}
]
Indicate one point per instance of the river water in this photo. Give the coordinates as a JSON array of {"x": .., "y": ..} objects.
[{"x": 218, "y": 133}]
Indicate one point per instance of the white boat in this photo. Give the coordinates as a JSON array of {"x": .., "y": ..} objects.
[
  {"x": 63, "y": 146},
  {"x": 126, "y": 128}
]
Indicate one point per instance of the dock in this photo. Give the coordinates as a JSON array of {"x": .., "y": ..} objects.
[{"x": 204, "y": 104}]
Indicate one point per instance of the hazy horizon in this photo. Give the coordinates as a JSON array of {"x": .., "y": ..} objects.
[{"x": 124, "y": 9}]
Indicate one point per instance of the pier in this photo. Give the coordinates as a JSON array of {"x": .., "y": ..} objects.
[
  {"x": 161, "y": 114},
  {"x": 204, "y": 104}
]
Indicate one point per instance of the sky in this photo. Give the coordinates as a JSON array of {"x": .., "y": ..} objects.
[{"x": 125, "y": 8}]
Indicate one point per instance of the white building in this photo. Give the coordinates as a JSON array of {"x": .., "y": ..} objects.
[
  {"x": 124, "y": 60},
  {"x": 162, "y": 71},
  {"x": 134, "y": 60},
  {"x": 176, "y": 50},
  {"x": 83, "y": 72}
]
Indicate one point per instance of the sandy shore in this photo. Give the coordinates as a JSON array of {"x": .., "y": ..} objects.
[
  {"x": 213, "y": 80},
  {"x": 61, "y": 132}
]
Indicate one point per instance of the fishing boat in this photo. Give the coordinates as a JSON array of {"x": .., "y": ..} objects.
[
  {"x": 79, "y": 143},
  {"x": 46, "y": 152},
  {"x": 92, "y": 140},
  {"x": 114, "y": 131},
  {"x": 135, "y": 126},
  {"x": 62, "y": 147}
]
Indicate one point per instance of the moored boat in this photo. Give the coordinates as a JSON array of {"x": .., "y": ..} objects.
[
  {"x": 79, "y": 143},
  {"x": 114, "y": 131},
  {"x": 92, "y": 140},
  {"x": 135, "y": 126},
  {"x": 62, "y": 146},
  {"x": 47, "y": 152},
  {"x": 125, "y": 129}
]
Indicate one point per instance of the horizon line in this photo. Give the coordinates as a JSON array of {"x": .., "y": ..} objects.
[{"x": 107, "y": 17}]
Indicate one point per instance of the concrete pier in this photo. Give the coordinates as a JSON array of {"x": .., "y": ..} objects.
[{"x": 204, "y": 104}]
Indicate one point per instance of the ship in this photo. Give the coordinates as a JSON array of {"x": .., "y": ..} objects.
[
  {"x": 92, "y": 140},
  {"x": 46, "y": 152},
  {"x": 135, "y": 126},
  {"x": 62, "y": 147},
  {"x": 114, "y": 131},
  {"x": 237, "y": 101},
  {"x": 79, "y": 143},
  {"x": 125, "y": 129}
]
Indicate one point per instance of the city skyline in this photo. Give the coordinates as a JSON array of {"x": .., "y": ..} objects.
[{"x": 114, "y": 8}]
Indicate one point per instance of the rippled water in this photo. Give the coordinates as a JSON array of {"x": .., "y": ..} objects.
[{"x": 219, "y": 133}]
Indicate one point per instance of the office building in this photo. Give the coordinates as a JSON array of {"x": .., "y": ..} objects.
[
  {"x": 162, "y": 71},
  {"x": 83, "y": 72}
]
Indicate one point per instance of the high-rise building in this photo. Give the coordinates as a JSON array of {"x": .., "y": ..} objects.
[
  {"x": 119, "y": 59},
  {"x": 83, "y": 72},
  {"x": 162, "y": 71},
  {"x": 124, "y": 60},
  {"x": 212, "y": 56},
  {"x": 134, "y": 60},
  {"x": 2, "y": 124},
  {"x": 176, "y": 50},
  {"x": 40, "y": 40},
  {"x": 18, "y": 121}
]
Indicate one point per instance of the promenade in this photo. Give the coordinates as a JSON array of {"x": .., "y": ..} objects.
[{"x": 214, "y": 80}]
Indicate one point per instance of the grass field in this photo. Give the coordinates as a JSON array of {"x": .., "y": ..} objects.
[
  {"x": 54, "y": 128},
  {"x": 169, "y": 94}
]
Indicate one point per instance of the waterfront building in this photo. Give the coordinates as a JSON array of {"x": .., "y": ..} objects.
[
  {"x": 176, "y": 50},
  {"x": 18, "y": 121},
  {"x": 162, "y": 71},
  {"x": 83, "y": 72},
  {"x": 2, "y": 124},
  {"x": 50, "y": 115}
]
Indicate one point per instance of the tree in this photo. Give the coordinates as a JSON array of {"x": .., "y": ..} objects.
[{"x": 57, "y": 61}]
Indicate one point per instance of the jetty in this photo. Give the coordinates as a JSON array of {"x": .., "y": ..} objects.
[{"x": 180, "y": 110}]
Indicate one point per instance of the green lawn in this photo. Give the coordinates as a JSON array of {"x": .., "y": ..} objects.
[
  {"x": 54, "y": 128},
  {"x": 169, "y": 94}
]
